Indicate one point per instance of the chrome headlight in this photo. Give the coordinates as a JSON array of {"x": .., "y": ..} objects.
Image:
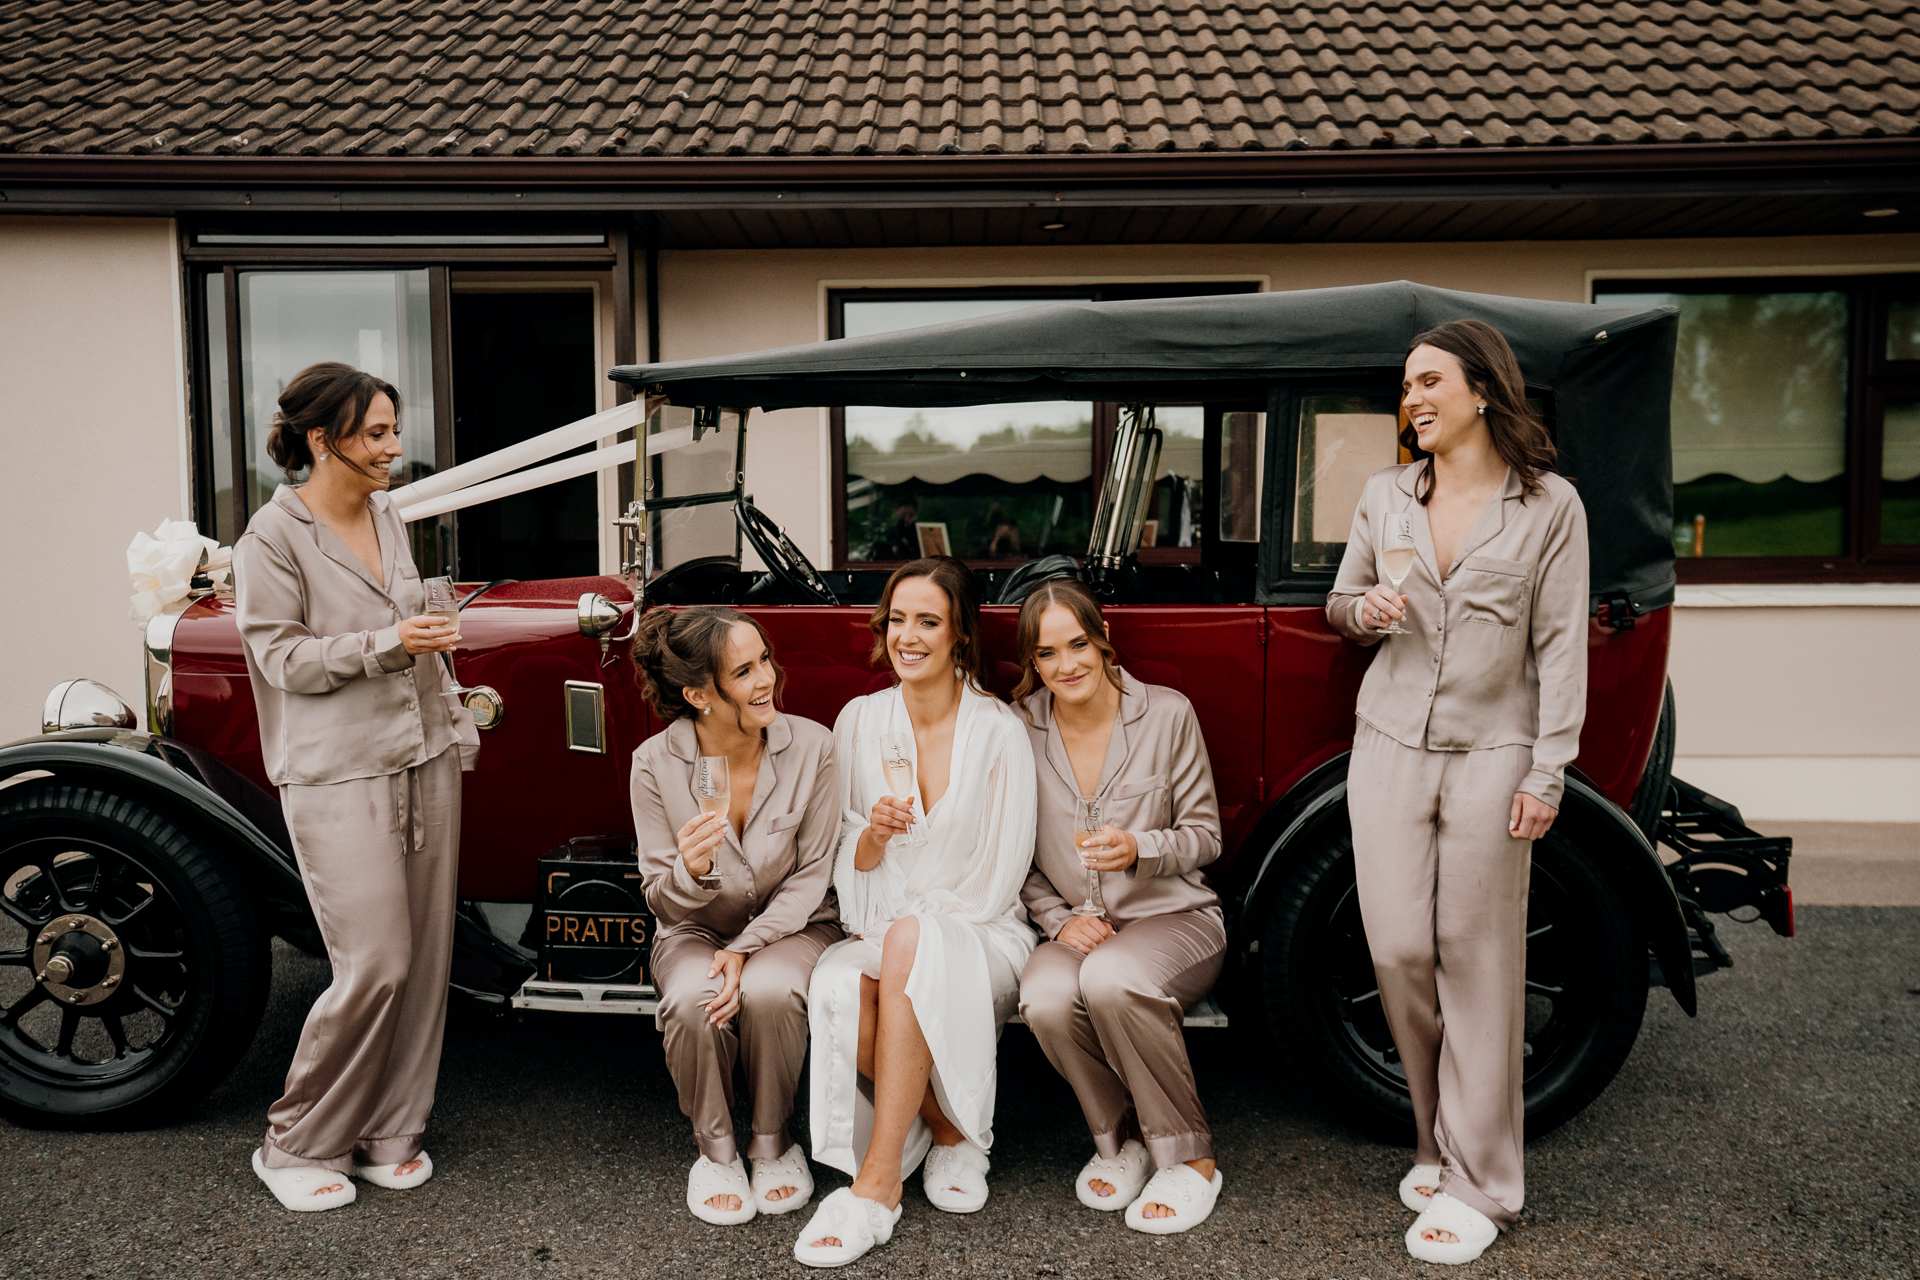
[
  {"x": 86, "y": 704},
  {"x": 160, "y": 673}
]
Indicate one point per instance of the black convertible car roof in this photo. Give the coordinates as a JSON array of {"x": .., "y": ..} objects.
[{"x": 1608, "y": 369}]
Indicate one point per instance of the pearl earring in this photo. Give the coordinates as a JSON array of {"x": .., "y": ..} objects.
[
  {"x": 323, "y": 457},
  {"x": 1483, "y": 410},
  {"x": 706, "y": 711}
]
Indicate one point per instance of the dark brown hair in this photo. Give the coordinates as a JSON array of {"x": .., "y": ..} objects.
[
  {"x": 679, "y": 649},
  {"x": 1519, "y": 437},
  {"x": 333, "y": 397},
  {"x": 963, "y": 597},
  {"x": 1079, "y": 601}
]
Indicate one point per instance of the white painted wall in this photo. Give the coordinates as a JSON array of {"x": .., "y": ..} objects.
[{"x": 93, "y": 434}]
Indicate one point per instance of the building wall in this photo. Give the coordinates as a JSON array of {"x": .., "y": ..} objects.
[{"x": 93, "y": 431}]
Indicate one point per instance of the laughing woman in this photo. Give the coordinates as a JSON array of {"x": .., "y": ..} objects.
[
  {"x": 1467, "y": 720},
  {"x": 732, "y": 959},
  {"x": 1107, "y": 995},
  {"x": 907, "y": 1012}
]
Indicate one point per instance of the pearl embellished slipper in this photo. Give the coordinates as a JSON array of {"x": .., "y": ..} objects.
[
  {"x": 787, "y": 1170},
  {"x": 858, "y": 1224},
  {"x": 300, "y": 1188},
  {"x": 1180, "y": 1188},
  {"x": 383, "y": 1175},
  {"x": 1473, "y": 1231},
  {"x": 955, "y": 1178},
  {"x": 1126, "y": 1173},
  {"x": 707, "y": 1180},
  {"x": 1421, "y": 1175}
]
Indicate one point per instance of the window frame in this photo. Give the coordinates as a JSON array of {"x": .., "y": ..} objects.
[
  {"x": 1106, "y": 414},
  {"x": 1870, "y": 380}
]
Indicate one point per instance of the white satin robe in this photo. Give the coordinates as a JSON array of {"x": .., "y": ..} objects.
[{"x": 964, "y": 885}]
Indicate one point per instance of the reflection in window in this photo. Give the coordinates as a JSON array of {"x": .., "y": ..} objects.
[
  {"x": 1759, "y": 421},
  {"x": 1903, "y": 329},
  {"x": 1243, "y": 444},
  {"x": 993, "y": 482},
  {"x": 1900, "y": 473},
  {"x": 1173, "y": 510},
  {"x": 373, "y": 320},
  {"x": 1343, "y": 440}
]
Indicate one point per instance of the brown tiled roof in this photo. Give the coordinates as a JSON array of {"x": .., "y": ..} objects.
[{"x": 902, "y": 77}]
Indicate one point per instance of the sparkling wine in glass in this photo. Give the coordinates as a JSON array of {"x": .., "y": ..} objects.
[
  {"x": 441, "y": 604},
  {"x": 1087, "y": 821},
  {"x": 896, "y": 761},
  {"x": 1396, "y": 557},
  {"x": 713, "y": 789}
]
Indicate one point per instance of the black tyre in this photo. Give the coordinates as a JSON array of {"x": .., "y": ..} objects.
[
  {"x": 162, "y": 951},
  {"x": 1586, "y": 987},
  {"x": 1651, "y": 795}
]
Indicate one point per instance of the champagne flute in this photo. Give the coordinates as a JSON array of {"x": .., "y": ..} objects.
[
  {"x": 1396, "y": 557},
  {"x": 441, "y": 604},
  {"x": 1087, "y": 821},
  {"x": 896, "y": 759},
  {"x": 713, "y": 788}
]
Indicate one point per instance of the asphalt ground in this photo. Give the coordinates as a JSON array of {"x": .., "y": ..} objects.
[{"x": 1774, "y": 1135}]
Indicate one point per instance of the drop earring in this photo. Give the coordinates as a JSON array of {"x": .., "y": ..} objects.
[
  {"x": 323, "y": 457},
  {"x": 1483, "y": 410},
  {"x": 706, "y": 711}
]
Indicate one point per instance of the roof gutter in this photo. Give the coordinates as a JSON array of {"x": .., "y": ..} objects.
[{"x": 603, "y": 175}]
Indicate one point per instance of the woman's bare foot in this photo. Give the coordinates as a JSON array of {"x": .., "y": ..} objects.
[
  {"x": 1204, "y": 1168},
  {"x": 875, "y": 1190},
  {"x": 410, "y": 1166}
]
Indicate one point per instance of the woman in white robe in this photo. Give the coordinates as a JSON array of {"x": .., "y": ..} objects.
[{"x": 905, "y": 1014}]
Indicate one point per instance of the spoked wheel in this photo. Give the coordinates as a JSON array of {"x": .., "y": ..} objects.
[
  {"x": 132, "y": 970},
  {"x": 1586, "y": 988}
]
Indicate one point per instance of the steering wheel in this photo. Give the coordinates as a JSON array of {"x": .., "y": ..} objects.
[{"x": 784, "y": 561}]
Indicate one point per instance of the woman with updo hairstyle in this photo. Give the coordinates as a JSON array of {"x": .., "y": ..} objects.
[
  {"x": 1106, "y": 995},
  {"x": 732, "y": 960},
  {"x": 363, "y": 736},
  {"x": 936, "y": 838}
]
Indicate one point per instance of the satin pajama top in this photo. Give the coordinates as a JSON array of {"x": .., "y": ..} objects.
[{"x": 1498, "y": 650}]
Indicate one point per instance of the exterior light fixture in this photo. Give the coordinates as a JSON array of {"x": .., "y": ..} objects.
[
  {"x": 1061, "y": 226},
  {"x": 1880, "y": 213}
]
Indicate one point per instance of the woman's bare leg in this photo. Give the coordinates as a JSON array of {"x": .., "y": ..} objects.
[{"x": 902, "y": 1063}]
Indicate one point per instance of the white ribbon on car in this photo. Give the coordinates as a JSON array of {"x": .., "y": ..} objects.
[{"x": 162, "y": 565}]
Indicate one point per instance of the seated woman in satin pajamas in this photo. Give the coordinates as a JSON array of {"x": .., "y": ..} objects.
[
  {"x": 1467, "y": 720},
  {"x": 732, "y": 961},
  {"x": 1107, "y": 996},
  {"x": 366, "y": 743}
]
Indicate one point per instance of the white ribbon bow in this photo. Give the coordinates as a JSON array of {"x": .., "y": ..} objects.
[{"x": 163, "y": 564}]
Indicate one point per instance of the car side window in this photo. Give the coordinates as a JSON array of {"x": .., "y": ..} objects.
[{"x": 1343, "y": 440}]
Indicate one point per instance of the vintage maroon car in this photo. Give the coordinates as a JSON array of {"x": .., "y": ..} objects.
[{"x": 141, "y": 874}]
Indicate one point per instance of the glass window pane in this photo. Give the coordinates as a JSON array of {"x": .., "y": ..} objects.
[
  {"x": 701, "y": 466},
  {"x": 1759, "y": 422},
  {"x": 1903, "y": 329},
  {"x": 378, "y": 321},
  {"x": 993, "y": 482},
  {"x": 219, "y": 521},
  {"x": 1343, "y": 440},
  {"x": 1173, "y": 510},
  {"x": 1243, "y": 448},
  {"x": 1900, "y": 473}
]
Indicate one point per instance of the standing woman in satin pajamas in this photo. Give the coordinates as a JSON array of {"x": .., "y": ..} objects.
[
  {"x": 1465, "y": 728},
  {"x": 732, "y": 961},
  {"x": 1106, "y": 997},
  {"x": 366, "y": 744}
]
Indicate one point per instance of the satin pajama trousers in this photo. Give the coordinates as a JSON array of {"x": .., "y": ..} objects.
[
  {"x": 769, "y": 1031},
  {"x": 1443, "y": 894},
  {"x": 380, "y": 858},
  {"x": 1111, "y": 1022}
]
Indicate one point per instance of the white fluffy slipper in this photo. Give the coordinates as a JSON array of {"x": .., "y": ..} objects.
[
  {"x": 1473, "y": 1230},
  {"x": 955, "y": 1178},
  {"x": 1421, "y": 1175},
  {"x": 858, "y": 1224},
  {"x": 1126, "y": 1173},
  {"x": 1181, "y": 1188},
  {"x": 295, "y": 1188},
  {"x": 383, "y": 1175},
  {"x": 707, "y": 1180},
  {"x": 787, "y": 1170}
]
